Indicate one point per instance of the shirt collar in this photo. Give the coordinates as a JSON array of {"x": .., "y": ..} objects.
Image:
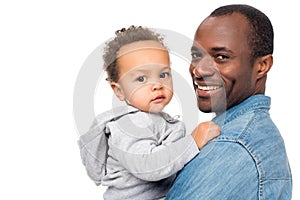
[{"x": 254, "y": 102}]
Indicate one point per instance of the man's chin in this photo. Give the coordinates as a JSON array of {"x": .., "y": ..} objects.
[
  {"x": 205, "y": 110},
  {"x": 214, "y": 104},
  {"x": 208, "y": 108},
  {"x": 204, "y": 104},
  {"x": 204, "y": 107}
]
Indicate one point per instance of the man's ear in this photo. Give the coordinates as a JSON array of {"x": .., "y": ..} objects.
[
  {"x": 263, "y": 65},
  {"x": 117, "y": 90}
]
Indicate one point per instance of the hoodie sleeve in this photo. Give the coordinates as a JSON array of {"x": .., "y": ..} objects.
[{"x": 136, "y": 142}]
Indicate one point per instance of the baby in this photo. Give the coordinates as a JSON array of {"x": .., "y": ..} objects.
[{"x": 136, "y": 150}]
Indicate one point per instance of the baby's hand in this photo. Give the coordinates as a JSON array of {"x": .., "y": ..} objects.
[{"x": 205, "y": 132}]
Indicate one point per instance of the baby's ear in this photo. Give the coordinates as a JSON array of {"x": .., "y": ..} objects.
[{"x": 117, "y": 90}]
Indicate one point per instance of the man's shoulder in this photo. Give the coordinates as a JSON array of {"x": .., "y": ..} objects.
[
  {"x": 243, "y": 123},
  {"x": 256, "y": 133}
]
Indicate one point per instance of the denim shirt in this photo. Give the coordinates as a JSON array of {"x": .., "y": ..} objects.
[{"x": 247, "y": 161}]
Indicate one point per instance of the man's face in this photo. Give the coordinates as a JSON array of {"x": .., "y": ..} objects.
[{"x": 221, "y": 70}]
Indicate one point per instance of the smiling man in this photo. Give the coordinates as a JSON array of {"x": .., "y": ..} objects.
[{"x": 231, "y": 56}]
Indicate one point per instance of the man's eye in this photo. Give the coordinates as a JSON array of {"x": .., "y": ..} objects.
[
  {"x": 222, "y": 57},
  {"x": 196, "y": 55},
  {"x": 141, "y": 79},
  {"x": 164, "y": 75}
]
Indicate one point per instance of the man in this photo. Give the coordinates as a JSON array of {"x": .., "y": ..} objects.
[{"x": 231, "y": 56}]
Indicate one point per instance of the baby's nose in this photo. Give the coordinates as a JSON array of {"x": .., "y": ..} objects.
[{"x": 157, "y": 86}]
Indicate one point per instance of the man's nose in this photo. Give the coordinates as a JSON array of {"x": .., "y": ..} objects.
[
  {"x": 204, "y": 68},
  {"x": 196, "y": 73}
]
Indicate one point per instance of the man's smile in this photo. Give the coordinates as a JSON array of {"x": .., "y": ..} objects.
[{"x": 207, "y": 87}]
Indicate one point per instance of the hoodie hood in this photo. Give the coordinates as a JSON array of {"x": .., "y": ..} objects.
[{"x": 94, "y": 144}]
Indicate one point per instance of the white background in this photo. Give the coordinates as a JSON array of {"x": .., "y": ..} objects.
[{"x": 43, "y": 45}]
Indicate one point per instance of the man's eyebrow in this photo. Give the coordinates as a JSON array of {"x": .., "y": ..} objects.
[
  {"x": 216, "y": 49},
  {"x": 197, "y": 49},
  {"x": 194, "y": 48}
]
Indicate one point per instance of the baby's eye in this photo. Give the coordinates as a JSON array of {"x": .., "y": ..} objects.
[
  {"x": 164, "y": 75},
  {"x": 141, "y": 79}
]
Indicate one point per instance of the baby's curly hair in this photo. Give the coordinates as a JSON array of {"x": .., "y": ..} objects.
[{"x": 125, "y": 36}]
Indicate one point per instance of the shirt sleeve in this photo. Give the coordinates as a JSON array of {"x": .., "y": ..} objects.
[
  {"x": 222, "y": 170},
  {"x": 139, "y": 148}
]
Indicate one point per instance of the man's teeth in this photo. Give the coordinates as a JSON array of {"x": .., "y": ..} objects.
[{"x": 206, "y": 87}]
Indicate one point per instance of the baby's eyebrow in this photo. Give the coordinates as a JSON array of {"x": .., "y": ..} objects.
[
  {"x": 142, "y": 70},
  {"x": 166, "y": 67}
]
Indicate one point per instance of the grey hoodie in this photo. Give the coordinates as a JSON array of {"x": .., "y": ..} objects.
[{"x": 136, "y": 154}]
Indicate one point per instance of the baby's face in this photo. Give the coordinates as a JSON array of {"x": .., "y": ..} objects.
[{"x": 145, "y": 76}]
